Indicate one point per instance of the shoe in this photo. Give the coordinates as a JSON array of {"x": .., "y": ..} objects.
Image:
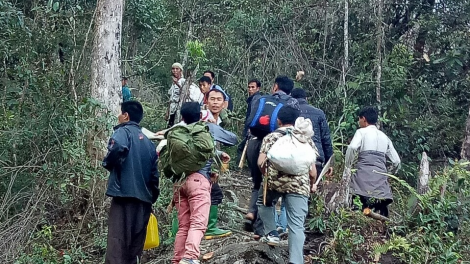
[
  {"x": 271, "y": 239},
  {"x": 212, "y": 230},
  {"x": 189, "y": 261}
]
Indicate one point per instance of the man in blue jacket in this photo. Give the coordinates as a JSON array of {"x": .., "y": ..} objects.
[
  {"x": 132, "y": 184},
  {"x": 321, "y": 138}
]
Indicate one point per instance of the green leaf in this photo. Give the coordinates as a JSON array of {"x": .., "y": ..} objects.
[{"x": 55, "y": 6}]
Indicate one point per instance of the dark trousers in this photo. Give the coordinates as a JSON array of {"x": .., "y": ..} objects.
[
  {"x": 252, "y": 154},
  {"x": 171, "y": 120},
  {"x": 127, "y": 228},
  {"x": 216, "y": 194},
  {"x": 378, "y": 205}
]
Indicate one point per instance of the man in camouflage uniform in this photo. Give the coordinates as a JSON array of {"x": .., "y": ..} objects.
[{"x": 294, "y": 190}]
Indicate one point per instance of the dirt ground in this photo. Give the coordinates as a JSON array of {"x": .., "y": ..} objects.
[{"x": 240, "y": 248}]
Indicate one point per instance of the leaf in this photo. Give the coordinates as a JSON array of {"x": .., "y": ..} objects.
[{"x": 55, "y": 6}]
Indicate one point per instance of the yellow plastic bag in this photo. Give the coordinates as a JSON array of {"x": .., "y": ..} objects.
[{"x": 152, "y": 240}]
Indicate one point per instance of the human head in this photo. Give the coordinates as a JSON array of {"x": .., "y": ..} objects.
[
  {"x": 190, "y": 112},
  {"x": 205, "y": 84},
  {"x": 368, "y": 116},
  {"x": 131, "y": 111},
  {"x": 215, "y": 101},
  {"x": 298, "y": 93},
  {"x": 210, "y": 74},
  {"x": 177, "y": 70},
  {"x": 124, "y": 81},
  {"x": 253, "y": 86},
  {"x": 283, "y": 83},
  {"x": 287, "y": 116}
]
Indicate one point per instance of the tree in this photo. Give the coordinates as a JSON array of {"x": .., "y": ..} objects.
[
  {"x": 106, "y": 63},
  {"x": 465, "y": 154}
]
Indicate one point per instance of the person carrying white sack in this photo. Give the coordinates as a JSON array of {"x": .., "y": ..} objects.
[{"x": 287, "y": 160}]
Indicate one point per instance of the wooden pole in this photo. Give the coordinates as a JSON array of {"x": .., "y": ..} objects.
[{"x": 242, "y": 159}]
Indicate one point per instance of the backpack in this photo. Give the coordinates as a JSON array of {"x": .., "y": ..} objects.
[
  {"x": 264, "y": 119},
  {"x": 292, "y": 154},
  {"x": 187, "y": 150}
]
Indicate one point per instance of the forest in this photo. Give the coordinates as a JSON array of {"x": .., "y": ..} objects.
[{"x": 60, "y": 74}]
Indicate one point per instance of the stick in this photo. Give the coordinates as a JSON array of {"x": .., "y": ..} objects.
[
  {"x": 369, "y": 213},
  {"x": 242, "y": 160}
]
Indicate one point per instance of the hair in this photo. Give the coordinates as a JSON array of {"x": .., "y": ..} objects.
[
  {"x": 258, "y": 83},
  {"x": 285, "y": 84},
  {"x": 190, "y": 112},
  {"x": 370, "y": 114},
  {"x": 124, "y": 78},
  {"x": 288, "y": 114},
  {"x": 211, "y": 73},
  {"x": 216, "y": 90},
  {"x": 205, "y": 79},
  {"x": 298, "y": 93},
  {"x": 134, "y": 110}
]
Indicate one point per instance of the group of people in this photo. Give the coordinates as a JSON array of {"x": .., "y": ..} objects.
[{"x": 134, "y": 177}]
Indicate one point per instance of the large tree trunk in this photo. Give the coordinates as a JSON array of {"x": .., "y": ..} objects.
[
  {"x": 380, "y": 35},
  {"x": 106, "y": 69},
  {"x": 466, "y": 142},
  {"x": 106, "y": 65}
]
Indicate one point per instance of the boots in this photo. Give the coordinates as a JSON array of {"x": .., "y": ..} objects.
[{"x": 212, "y": 230}]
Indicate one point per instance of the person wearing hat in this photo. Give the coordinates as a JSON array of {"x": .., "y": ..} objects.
[{"x": 174, "y": 92}]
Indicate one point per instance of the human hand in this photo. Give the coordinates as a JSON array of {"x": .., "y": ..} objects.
[
  {"x": 313, "y": 188},
  {"x": 214, "y": 177},
  {"x": 329, "y": 173},
  {"x": 225, "y": 157},
  {"x": 211, "y": 120},
  {"x": 160, "y": 133}
]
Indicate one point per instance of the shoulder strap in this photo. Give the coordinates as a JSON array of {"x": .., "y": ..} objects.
[{"x": 262, "y": 101}]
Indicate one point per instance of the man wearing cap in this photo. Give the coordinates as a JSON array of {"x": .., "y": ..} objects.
[{"x": 174, "y": 92}]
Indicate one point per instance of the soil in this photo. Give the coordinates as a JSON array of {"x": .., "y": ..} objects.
[{"x": 240, "y": 247}]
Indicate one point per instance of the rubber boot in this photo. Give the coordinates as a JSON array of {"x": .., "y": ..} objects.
[{"x": 212, "y": 230}]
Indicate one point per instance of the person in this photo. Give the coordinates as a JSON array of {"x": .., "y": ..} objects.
[
  {"x": 321, "y": 137},
  {"x": 132, "y": 184},
  {"x": 373, "y": 146},
  {"x": 193, "y": 199},
  {"x": 174, "y": 92},
  {"x": 282, "y": 87},
  {"x": 228, "y": 100},
  {"x": 254, "y": 86},
  {"x": 126, "y": 92},
  {"x": 294, "y": 190}
]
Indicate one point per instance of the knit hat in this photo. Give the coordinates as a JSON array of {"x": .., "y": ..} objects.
[
  {"x": 304, "y": 125},
  {"x": 177, "y": 65}
]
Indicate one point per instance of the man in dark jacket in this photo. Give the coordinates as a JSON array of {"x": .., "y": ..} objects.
[
  {"x": 132, "y": 184},
  {"x": 321, "y": 137},
  {"x": 282, "y": 87},
  {"x": 253, "y": 93}
]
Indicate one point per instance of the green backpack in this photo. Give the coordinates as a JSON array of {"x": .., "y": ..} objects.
[{"x": 187, "y": 150}]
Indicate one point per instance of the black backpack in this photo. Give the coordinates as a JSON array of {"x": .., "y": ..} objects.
[{"x": 264, "y": 118}]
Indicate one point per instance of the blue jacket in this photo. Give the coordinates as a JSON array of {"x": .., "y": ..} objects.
[
  {"x": 132, "y": 163},
  {"x": 126, "y": 94},
  {"x": 322, "y": 138},
  {"x": 250, "y": 99}
]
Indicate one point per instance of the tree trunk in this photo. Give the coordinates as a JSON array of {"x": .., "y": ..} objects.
[
  {"x": 465, "y": 154},
  {"x": 423, "y": 181},
  {"x": 380, "y": 35},
  {"x": 346, "y": 46},
  {"x": 106, "y": 64},
  {"x": 106, "y": 69}
]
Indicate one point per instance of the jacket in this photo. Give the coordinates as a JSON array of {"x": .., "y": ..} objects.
[
  {"x": 132, "y": 163},
  {"x": 321, "y": 138}
]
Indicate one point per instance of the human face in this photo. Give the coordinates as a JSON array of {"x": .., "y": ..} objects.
[
  {"x": 252, "y": 88},
  {"x": 209, "y": 75},
  {"x": 123, "y": 118},
  {"x": 362, "y": 122},
  {"x": 124, "y": 82},
  {"x": 176, "y": 72},
  {"x": 215, "y": 102},
  {"x": 204, "y": 87}
]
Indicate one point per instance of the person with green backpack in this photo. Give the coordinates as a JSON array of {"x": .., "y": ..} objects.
[{"x": 187, "y": 158}]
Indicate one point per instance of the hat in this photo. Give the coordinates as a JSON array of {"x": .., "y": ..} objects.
[{"x": 177, "y": 65}]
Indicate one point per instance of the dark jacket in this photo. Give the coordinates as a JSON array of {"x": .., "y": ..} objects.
[
  {"x": 250, "y": 99},
  {"x": 132, "y": 163},
  {"x": 322, "y": 137}
]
